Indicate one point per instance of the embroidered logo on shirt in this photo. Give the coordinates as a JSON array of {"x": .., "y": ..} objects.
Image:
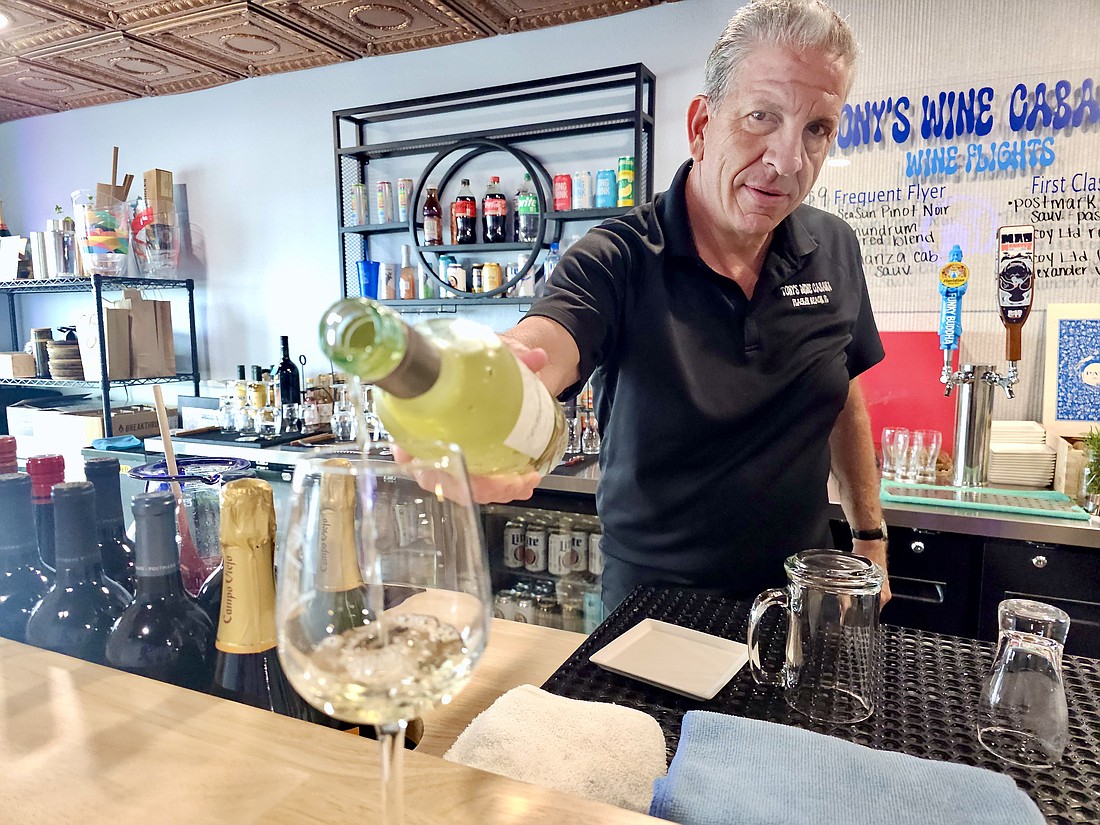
[{"x": 802, "y": 295}]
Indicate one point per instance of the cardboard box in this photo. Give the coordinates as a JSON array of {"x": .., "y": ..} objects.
[
  {"x": 158, "y": 190},
  {"x": 16, "y": 365},
  {"x": 116, "y": 331},
  {"x": 68, "y": 424}
]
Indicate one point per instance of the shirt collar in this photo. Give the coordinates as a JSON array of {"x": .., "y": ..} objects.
[{"x": 791, "y": 242}]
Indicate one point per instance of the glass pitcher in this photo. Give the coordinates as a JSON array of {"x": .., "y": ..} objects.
[
  {"x": 831, "y": 668},
  {"x": 1022, "y": 713},
  {"x": 200, "y": 481}
]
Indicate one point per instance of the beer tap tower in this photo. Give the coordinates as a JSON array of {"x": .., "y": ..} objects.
[{"x": 975, "y": 383}]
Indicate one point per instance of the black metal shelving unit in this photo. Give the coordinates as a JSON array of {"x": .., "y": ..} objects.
[
  {"x": 511, "y": 118},
  {"x": 98, "y": 285}
]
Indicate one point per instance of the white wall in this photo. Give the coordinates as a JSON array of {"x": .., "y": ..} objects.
[{"x": 256, "y": 159}]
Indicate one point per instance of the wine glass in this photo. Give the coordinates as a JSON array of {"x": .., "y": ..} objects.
[{"x": 383, "y": 599}]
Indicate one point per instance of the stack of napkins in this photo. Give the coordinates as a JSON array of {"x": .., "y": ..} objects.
[{"x": 1019, "y": 456}]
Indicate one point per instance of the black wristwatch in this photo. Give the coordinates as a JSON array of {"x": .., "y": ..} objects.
[{"x": 875, "y": 534}]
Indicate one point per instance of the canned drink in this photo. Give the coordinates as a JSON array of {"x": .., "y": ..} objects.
[
  {"x": 504, "y": 605},
  {"x": 492, "y": 277},
  {"x": 387, "y": 282},
  {"x": 404, "y": 193},
  {"x": 384, "y": 201},
  {"x": 582, "y": 190},
  {"x": 578, "y": 555},
  {"x": 626, "y": 182},
  {"x": 515, "y": 544},
  {"x": 525, "y": 609},
  {"x": 593, "y": 610},
  {"x": 607, "y": 188},
  {"x": 526, "y": 286},
  {"x": 572, "y": 617},
  {"x": 595, "y": 555},
  {"x": 359, "y": 202},
  {"x": 425, "y": 283},
  {"x": 548, "y": 612},
  {"x": 544, "y": 587},
  {"x": 477, "y": 279},
  {"x": 563, "y": 193},
  {"x": 535, "y": 555},
  {"x": 456, "y": 277},
  {"x": 558, "y": 553}
]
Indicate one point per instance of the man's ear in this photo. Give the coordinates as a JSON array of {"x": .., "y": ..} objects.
[{"x": 698, "y": 115}]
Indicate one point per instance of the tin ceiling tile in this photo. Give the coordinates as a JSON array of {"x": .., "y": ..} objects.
[
  {"x": 121, "y": 14},
  {"x": 242, "y": 39},
  {"x": 125, "y": 62},
  {"x": 32, "y": 27},
  {"x": 43, "y": 88},
  {"x": 18, "y": 109},
  {"x": 369, "y": 28},
  {"x": 524, "y": 15}
]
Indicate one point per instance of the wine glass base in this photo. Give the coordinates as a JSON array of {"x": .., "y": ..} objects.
[{"x": 1018, "y": 747}]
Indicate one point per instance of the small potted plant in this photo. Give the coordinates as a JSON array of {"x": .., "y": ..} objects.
[{"x": 1090, "y": 481}]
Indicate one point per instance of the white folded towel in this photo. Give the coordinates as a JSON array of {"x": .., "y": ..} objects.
[{"x": 596, "y": 750}]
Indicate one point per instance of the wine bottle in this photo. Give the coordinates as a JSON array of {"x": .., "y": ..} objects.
[
  {"x": 287, "y": 377},
  {"x": 23, "y": 577},
  {"x": 45, "y": 471},
  {"x": 246, "y": 668},
  {"x": 75, "y": 617},
  {"x": 448, "y": 380},
  {"x": 114, "y": 546},
  {"x": 433, "y": 218},
  {"x": 4, "y": 231},
  {"x": 162, "y": 634},
  {"x": 409, "y": 277},
  {"x": 341, "y": 599}
]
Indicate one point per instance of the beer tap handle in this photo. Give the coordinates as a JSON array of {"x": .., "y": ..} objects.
[
  {"x": 1015, "y": 292},
  {"x": 953, "y": 278}
]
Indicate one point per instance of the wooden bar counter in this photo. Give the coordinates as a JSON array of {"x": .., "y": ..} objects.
[{"x": 88, "y": 744}]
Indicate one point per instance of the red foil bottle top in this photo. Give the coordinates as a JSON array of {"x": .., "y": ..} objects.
[
  {"x": 8, "y": 462},
  {"x": 45, "y": 471}
]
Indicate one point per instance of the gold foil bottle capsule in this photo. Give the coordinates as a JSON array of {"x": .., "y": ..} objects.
[{"x": 246, "y": 623}]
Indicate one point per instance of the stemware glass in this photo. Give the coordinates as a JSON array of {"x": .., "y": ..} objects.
[{"x": 383, "y": 600}]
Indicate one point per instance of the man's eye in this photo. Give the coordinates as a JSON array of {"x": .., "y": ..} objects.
[{"x": 758, "y": 115}]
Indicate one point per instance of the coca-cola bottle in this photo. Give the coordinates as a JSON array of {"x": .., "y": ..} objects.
[
  {"x": 494, "y": 210},
  {"x": 527, "y": 213},
  {"x": 465, "y": 212},
  {"x": 433, "y": 218}
]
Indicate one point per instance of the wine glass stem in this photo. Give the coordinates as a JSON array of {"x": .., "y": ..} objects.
[{"x": 392, "y": 739}]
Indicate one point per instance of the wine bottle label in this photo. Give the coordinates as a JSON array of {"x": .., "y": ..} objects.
[
  {"x": 247, "y": 620},
  {"x": 338, "y": 566},
  {"x": 535, "y": 423}
]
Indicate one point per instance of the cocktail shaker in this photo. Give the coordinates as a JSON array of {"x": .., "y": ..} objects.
[{"x": 60, "y": 248}]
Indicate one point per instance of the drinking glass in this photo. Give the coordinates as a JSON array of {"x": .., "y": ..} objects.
[
  {"x": 157, "y": 237},
  {"x": 383, "y": 598},
  {"x": 895, "y": 448},
  {"x": 291, "y": 421},
  {"x": 102, "y": 231},
  {"x": 1022, "y": 713},
  {"x": 923, "y": 464}
]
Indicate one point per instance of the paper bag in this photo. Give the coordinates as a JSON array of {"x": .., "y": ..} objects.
[
  {"x": 152, "y": 353},
  {"x": 116, "y": 332}
]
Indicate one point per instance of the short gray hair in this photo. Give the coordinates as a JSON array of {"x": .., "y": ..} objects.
[{"x": 802, "y": 24}]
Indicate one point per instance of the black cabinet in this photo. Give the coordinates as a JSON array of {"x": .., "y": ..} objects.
[
  {"x": 934, "y": 578},
  {"x": 1066, "y": 577}
]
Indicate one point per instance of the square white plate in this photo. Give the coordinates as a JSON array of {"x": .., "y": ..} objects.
[{"x": 682, "y": 660}]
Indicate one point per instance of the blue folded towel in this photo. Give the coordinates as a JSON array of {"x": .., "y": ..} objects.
[
  {"x": 733, "y": 771},
  {"x": 116, "y": 442}
]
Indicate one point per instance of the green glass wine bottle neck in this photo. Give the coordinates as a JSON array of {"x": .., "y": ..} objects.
[{"x": 373, "y": 342}]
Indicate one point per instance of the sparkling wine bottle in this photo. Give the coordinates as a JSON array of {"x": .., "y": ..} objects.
[
  {"x": 246, "y": 667},
  {"x": 76, "y": 616},
  {"x": 448, "y": 380},
  {"x": 114, "y": 546},
  {"x": 162, "y": 634},
  {"x": 23, "y": 578}
]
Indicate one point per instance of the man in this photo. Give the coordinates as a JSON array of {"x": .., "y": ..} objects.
[{"x": 727, "y": 324}]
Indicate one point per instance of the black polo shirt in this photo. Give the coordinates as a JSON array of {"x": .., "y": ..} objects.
[{"x": 715, "y": 410}]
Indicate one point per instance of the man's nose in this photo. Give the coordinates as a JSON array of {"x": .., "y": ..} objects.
[{"x": 784, "y": 153}]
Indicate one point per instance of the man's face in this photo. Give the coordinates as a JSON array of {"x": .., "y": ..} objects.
[{"x": 760, "y": 149}]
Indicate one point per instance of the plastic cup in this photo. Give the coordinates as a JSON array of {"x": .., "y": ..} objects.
[{"x": 368, "y": 278}]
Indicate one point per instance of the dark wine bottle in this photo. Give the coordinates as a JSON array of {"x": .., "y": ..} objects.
[
  {"x": 110, "y": 524},
  {"x": 8, "y": 461},
  {"x": 23, "y": 578},
  {"x": 75, "y": 617},
  {"x": 287, "y": 378},
  {"x": 162, "y": 634},
  {"x": 45, "y": 471},
  {"x": 246, "y": 667}
]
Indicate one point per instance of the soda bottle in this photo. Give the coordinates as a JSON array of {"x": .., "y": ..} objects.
[
  {"x": 433, "y": 218},
  {"x": 494, "y": 210},
  {"x": 465, "y": 212},
  {"x": 527, "y": 213}
]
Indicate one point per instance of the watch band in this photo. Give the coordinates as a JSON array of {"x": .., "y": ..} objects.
[{"x": 875, "y": 534}]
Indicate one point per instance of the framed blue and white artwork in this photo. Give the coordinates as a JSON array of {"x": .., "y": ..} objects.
[{"x": 1071, "y": 386}]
